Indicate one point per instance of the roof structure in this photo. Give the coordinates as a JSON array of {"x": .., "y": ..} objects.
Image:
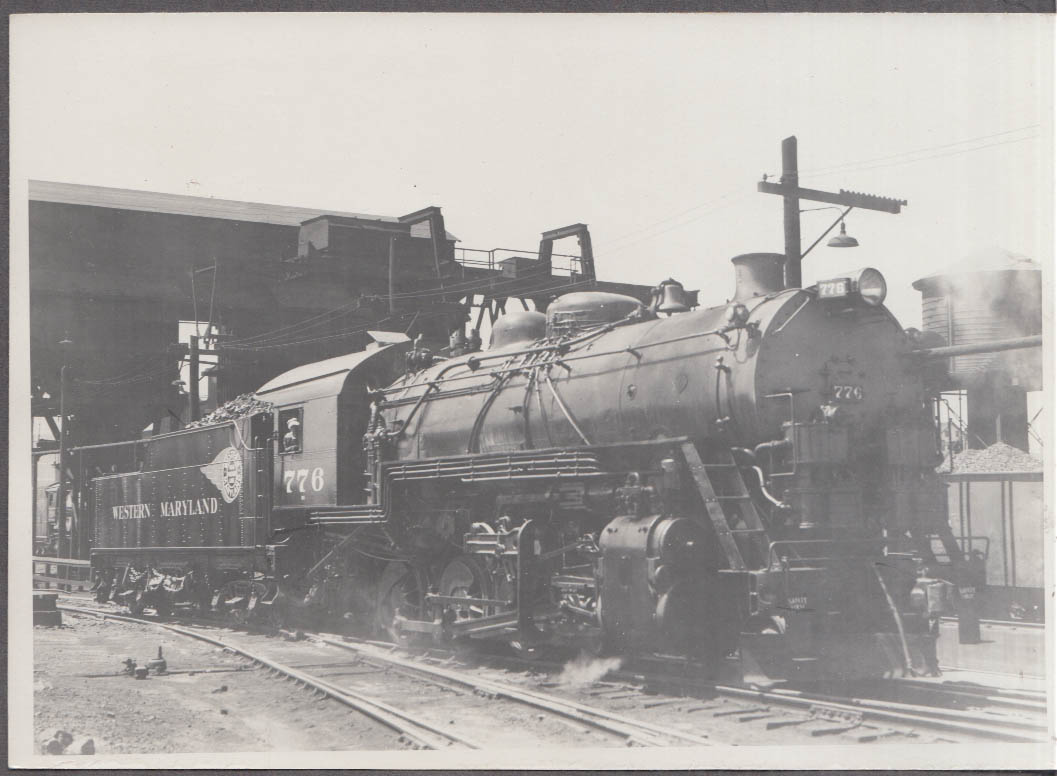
[
  {"x": 202, "y": 207},
  {"x": 986, "y": 259},
  {"x": 320, "y": 378}
]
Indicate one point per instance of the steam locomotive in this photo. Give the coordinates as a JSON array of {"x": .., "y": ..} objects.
[{"x": 753, "y": 478}]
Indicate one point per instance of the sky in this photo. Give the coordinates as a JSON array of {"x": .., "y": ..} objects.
[{"x": 652, "y": 129}]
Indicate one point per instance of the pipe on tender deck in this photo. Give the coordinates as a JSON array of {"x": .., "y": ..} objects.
[{"x": 1034, "y": 341}]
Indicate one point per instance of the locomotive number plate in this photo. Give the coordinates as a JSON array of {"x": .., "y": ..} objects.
[
  {"x": 847, "y": 392},
  {"x": 831, "y": 289}
]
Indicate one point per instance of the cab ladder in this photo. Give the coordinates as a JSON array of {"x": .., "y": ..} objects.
[{"x": 729, "y": 507}]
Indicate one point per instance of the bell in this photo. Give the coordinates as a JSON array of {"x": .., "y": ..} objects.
[{"x": 672, "y": 297}]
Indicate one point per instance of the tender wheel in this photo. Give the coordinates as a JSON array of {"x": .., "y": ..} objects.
[{"x": 233, "y": 601}]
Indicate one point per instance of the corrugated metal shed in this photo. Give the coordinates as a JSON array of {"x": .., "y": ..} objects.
[{"x": 182, "y": 204}]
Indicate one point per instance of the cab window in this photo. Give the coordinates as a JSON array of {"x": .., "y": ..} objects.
[{"x": 291, "y": 430}]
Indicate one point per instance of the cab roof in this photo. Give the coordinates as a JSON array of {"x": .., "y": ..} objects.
[{"x": 323, "y": 378}]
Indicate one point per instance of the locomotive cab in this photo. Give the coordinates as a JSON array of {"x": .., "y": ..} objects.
[{"x": 320, "y": 413}]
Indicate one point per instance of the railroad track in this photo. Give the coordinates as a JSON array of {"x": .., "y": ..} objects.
[
  {"x": 671, "y": 697},
  {"x": 1030, "y": 725},
  {"x": 866, "y": 719},
  {"x": 412, "y": 728},
  {"x": 634, "y": 730},
  {"x": 609, "y": 728}
]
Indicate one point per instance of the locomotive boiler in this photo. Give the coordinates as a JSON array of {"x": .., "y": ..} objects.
[{"x": 753, "y": 477}]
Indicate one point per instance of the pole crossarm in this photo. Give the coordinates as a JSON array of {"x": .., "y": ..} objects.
[{"x": 843, "y": 197}]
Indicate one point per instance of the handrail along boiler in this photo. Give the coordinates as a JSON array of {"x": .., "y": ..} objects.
[{"x": 757, "y": 475}]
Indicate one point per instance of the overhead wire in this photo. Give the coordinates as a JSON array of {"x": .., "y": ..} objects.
[
  {"x": 844, "y": 165},
  {"x": 365, "y": 326},
  {"x": 831, "y": 170},
  {"x": 484, "y": 284},
  {"x": 326, "y": 313},
  {"x": 647, "y": 227},
  {"x": 735, "y": 199},
  {"x": 372, "y": 324},
  {"x": 281, "y": 335},
  {"x": 291, "y": 331},
  {"x": 133, "y": 372},
  {"x": 820, "y": 170},
  {"x": 938, "y": 156}
]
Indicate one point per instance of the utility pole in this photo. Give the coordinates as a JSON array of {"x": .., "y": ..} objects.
[
  {"x": 62, "y": 542},
  {"x": 193, "y": 378},
  {"x": 791, "y": 212},
  {"x": 789, "y": 189},
  {"x": 392, "y": 270}
]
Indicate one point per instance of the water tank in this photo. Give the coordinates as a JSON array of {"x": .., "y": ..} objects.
[
  {"x": 584, "y": 310},
  {"x": 991, "y": 294}
]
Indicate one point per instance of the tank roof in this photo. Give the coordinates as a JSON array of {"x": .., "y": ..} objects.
[{"x": 985, "y": 259}]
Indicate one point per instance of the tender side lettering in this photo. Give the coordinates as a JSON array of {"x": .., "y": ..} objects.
[
  {"x": 190, "y": 506},
  {"x": 186, "y": 507},
  {"x": 131, "y": 511}
]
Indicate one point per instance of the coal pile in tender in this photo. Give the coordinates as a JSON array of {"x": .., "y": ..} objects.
[
  {"x": 239, "y": 407},
  {"x": 998, "y": 457}
]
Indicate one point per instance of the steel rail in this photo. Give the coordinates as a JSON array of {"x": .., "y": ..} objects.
[
  {"x": 975, "y": 689},
  {"x": 970, "y": 717},
  {"x": 991, "y": 697},
  {"x": 620, "y": 724},
  {"x": 923, "y": 716},
  {"x": 423, "y": 732},
  {"x": 969, "y": 723}
]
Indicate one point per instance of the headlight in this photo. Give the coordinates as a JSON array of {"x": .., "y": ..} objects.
[{"x": 871, "y": 286}]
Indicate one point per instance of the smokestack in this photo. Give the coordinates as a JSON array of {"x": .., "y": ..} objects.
[{"x": 757, "y": 274}]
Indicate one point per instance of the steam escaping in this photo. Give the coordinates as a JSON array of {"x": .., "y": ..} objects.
[
  {"x": 585, "y": 669},
  {"x": 991, "y": 294}
]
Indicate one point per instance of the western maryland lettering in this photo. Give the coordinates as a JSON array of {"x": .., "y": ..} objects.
[
  {"x": 190, "y": 506},
  {"x": 131, "y": 511},
  {"x": 175, "y": 508}
]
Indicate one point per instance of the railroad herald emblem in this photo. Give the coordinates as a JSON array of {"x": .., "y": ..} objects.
[{"x": 225, "y": 472}]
